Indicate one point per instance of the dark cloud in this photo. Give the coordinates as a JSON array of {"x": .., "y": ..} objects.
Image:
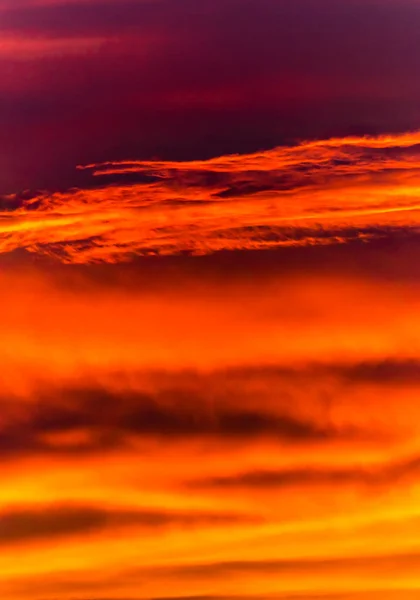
[
  {"x": 349, "y": 565},
  {"x": 22, "y": 525},
  {"x": 374, "y": 477},
  {"x": 386, "y": 372},
  {"x": 227, "y": 406},
  {"x": 173, "y": 414}
]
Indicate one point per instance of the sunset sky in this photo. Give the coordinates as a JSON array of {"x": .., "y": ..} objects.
[{"x": 210, "y": 299}]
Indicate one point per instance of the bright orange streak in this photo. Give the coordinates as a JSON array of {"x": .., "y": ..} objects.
[{"x": 318, "y": 192}]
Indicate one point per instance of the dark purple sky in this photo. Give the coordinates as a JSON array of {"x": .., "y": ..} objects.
[{"x": 92, "y": 80}]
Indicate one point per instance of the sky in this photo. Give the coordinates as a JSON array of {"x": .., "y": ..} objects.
[{"x": 209, "y": 299}]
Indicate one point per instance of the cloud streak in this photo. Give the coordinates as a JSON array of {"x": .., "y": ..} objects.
[
  {"x": 323, "y": 192},
  {"x": 49, "y": 522}
]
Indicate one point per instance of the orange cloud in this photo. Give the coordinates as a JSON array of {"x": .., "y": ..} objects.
[
  {"x": 174, "y": 431},
  {"x": 322, "y": 192},
  {"x": 229, "y": 425}
]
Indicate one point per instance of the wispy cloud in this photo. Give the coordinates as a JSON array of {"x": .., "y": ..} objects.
[{"x": 321, "y": 192}]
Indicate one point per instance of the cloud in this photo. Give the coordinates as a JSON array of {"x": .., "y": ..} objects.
[
  {"x": 21, "y": 525},
  {"x": 374, "y": 478},
  {"x": 337, "y": 190},
  {"x": 71, "y": 69},
  {"x": 210, "y": 331},
  {"x": 150, "y": 388},
  {"x": 182, "y": 408},
  {"x": 338, "y": 587}
]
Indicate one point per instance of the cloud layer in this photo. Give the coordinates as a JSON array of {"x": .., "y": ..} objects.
[
  {"x": 223, "y": 426},
  {"x": 321, "y": 192},
  {"x": 209, "y": 300}
]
